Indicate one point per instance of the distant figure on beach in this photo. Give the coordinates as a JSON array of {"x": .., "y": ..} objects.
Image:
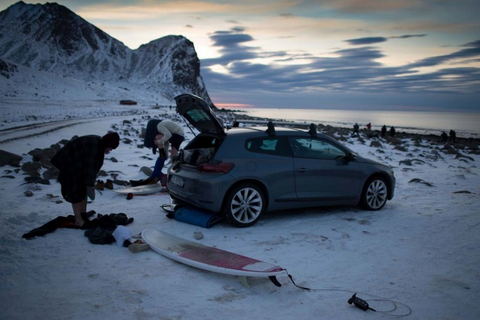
[
  {"x": 392, "y": 131},
  {"x": 444, "y": 136},
  {"x": 356, "y": 127},
  {"x": 384, "y": 131},
  {"x": 453, "y": 136},
  {"x": 369, "y": 130}
]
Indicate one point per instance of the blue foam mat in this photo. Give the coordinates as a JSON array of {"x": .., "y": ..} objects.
[{"x": 196, "y": 216}]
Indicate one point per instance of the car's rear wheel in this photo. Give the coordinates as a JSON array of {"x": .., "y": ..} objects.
[
  {"x": 244, "y": 205},
  {"x": 374, "y": 195}
]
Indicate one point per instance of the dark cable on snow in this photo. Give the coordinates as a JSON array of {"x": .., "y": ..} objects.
[{"x": 363, "y": 303}]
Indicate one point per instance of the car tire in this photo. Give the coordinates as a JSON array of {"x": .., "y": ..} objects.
[
  {"x": 244, "y": 205},
  {"x": 374, "y": 194}
]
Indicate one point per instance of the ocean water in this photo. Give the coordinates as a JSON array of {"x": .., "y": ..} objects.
[{"x": 465, "y": 124}]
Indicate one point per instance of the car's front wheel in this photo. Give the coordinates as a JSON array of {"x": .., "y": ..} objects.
[
  {"x": 374, "y": 195},
  {"x": 244, "y": 205}
]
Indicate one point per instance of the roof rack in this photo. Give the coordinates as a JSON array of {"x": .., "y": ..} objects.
[
  {"x": 271, "y": 129},
  {"x": 271, "y": 125}
]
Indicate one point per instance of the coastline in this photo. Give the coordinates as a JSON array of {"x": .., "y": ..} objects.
[
  {"x": 467, "y": 145},
  {"x": 421, "y": 122}
]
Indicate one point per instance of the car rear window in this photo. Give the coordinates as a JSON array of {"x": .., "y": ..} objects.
[{"x": 272, "y": 146}]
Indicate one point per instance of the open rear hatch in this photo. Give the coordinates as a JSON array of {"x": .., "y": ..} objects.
[
  {"x": 196, "y": 111},
  {"x": 199, "y": 114}
]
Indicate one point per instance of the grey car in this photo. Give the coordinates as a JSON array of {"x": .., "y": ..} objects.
[{"x": 243, "y": 172}]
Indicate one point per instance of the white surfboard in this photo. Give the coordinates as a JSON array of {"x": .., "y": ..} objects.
[
  {"x": 208, "y": 258},
  {"x": 145, "y": 189}
]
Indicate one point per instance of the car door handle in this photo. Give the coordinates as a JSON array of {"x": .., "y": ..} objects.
[{"x": 302, "y": 169}]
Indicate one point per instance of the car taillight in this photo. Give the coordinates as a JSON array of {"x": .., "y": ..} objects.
[{"x": 221, "y": 168}]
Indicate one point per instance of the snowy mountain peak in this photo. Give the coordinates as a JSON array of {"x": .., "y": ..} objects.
[{"x": 51, "y": 38}]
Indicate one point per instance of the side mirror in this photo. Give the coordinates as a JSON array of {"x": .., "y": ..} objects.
[{"x": 346, "y": 159}]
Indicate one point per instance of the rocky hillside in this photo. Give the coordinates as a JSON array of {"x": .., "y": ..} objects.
[{"x": 43, "y": 46}]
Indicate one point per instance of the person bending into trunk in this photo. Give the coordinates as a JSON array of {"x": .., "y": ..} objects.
[
  {"x": 160, "y": 134},
  {"x": 79, "y": 162}
]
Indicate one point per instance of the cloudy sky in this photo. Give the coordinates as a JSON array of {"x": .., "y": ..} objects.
[{"x": 348, "y": 54}]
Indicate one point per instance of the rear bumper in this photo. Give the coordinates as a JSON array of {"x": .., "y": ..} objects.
[
  {"x": 206, "y": 192},
  {"x": 201, "y": 203}
]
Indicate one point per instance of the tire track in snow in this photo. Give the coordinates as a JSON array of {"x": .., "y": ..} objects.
[{"x": 37, "y": 129}]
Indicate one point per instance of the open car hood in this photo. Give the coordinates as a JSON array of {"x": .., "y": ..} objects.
[{"x": 199, "y": 114}]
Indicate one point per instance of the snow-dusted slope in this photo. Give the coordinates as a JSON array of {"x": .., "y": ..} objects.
[{"x": 52, "y": 39}]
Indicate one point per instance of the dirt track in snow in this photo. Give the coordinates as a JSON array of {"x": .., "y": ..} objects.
[{"x": 36, "y": 129}]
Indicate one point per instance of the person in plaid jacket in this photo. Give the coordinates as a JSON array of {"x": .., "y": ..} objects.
[{"x": 79, "y": 162}]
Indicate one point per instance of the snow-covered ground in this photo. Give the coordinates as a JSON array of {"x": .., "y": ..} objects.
[{"x": 421, "y": 251}]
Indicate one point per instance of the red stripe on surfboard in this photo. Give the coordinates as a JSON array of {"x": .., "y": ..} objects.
[{"x": 224, "y": 259}]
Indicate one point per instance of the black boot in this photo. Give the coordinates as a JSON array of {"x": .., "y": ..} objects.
[{"x": 136, "y": 183}]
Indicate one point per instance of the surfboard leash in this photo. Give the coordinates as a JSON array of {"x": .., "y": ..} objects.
[
  {"x": 278, "y": 284},
  {"x": 296, "y": 285},
  {"x": 356, "y": 301}
]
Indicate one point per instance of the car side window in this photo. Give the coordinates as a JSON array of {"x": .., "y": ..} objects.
[
  {"x": 315, "y": 149},
  {"x": 273, "y": 146}
]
